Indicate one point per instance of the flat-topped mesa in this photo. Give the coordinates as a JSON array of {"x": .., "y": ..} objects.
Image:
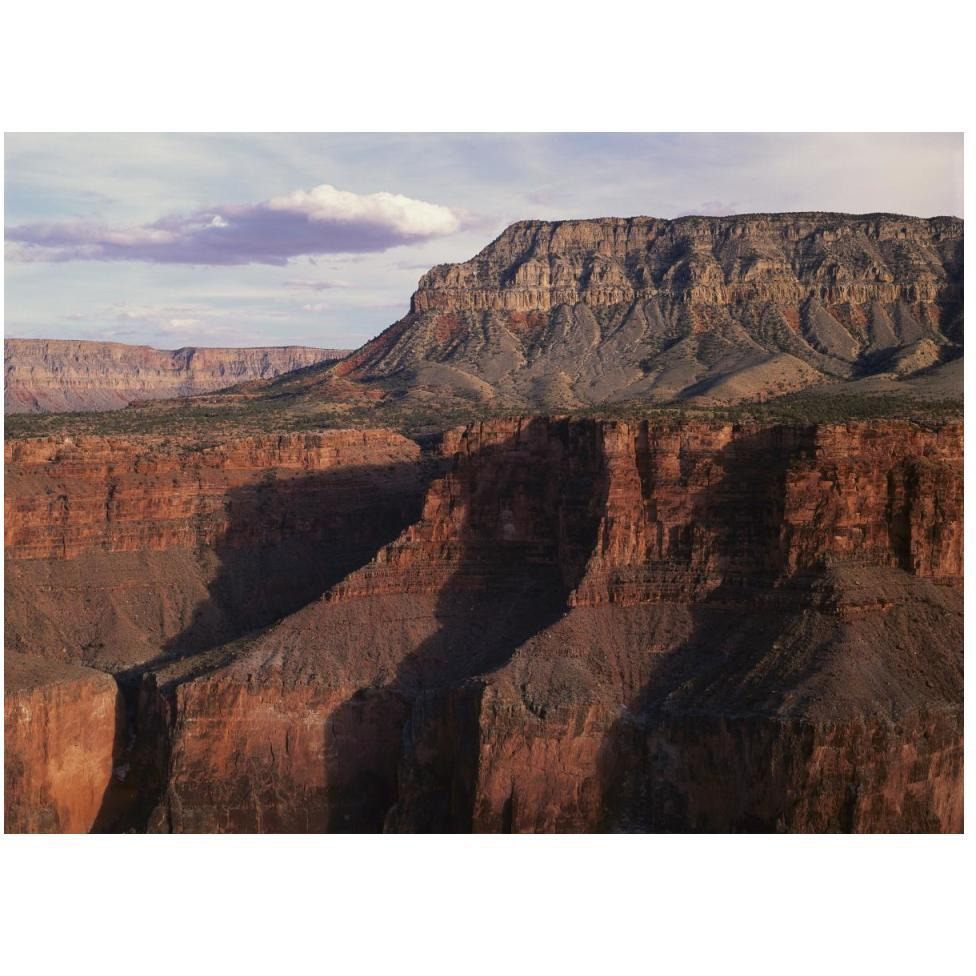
[
  {"x": 720, "y": 310},
  {"x": 788, "y": 258},
  {"x": 43, "y": 375}
]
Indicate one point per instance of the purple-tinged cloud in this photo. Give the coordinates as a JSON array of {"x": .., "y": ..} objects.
[{"x": 322, "y": 220}]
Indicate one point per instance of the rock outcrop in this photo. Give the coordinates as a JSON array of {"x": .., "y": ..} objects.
[
  {"x": 45, "y": 375},
  {"x": 68, "y": 496},
  {"x": 711, "y": 309},
  {"x": 600, "y": 626},
  {"x": 63, "y": 729}
]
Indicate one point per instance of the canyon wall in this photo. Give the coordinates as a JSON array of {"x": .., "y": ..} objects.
[
  {"x": 118, "y": 550},
  {"x": 120, "y": 553},
  {"x": 63, "y": 728},
  {"x": 68, "y": 496},
  {"x": 52, "y": 375},
  {"x": 599, "y": 626},
  {"x": 576, "y": 625}
]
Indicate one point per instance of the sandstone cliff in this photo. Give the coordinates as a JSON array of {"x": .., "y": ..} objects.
[
  {"x": 583, "y": 626},
  {"x": 117, "y": 550},
  {"x": 43, "y": 375},
  {"x": 712, "y": 309},
  {"x": 63, "y": 728}
]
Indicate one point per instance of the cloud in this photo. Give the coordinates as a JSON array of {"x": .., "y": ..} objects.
[
  {"x": 322, "y": 220},
  {"x": 313, "y": 284}
]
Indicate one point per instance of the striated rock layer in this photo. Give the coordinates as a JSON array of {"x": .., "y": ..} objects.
[
  {"x": 122, "y": 553},
  {"x": 711, "y": 309},
  {"x": 67, "y": 496},
  {"x": 118, "y": 550},
  {"x": 599, "y": 626},
  {"x": 45, "y": 375},
  {"x": 577, "y": 625}
]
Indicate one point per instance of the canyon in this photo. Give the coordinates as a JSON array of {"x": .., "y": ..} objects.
[
  {"x": 539, "y": 624},
  {"x": 629, "y": 525},
  {"x": 52, "y": 375}
]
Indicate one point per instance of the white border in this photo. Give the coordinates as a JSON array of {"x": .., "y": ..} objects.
[{"x": 535, "y": 905}]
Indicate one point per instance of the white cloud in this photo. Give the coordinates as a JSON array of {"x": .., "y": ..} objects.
[{"x": 326, "y": 204}]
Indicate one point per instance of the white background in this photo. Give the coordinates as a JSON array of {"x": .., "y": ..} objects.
[{"x": 865, "y": 905}]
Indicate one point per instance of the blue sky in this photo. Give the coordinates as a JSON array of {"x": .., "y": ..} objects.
[{"x": 249, "y": 239}]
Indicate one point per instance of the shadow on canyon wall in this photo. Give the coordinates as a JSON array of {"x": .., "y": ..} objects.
[
  {"x": 670, "y": 750},
  {"x": 698, "y": 748},
  {"x": 404, "y": 756},
  {"x": 285, "y": 542}
]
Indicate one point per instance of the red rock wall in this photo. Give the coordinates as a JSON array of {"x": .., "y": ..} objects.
[
  {"x": 63, "y": 729},
  {"x": 599, "y": 626},
  {"x": 692, "y": 506},
  {"x": 714, "y": 774},
  {"x": 68, "y": 496},
  {"x": 120, "y": 553}
]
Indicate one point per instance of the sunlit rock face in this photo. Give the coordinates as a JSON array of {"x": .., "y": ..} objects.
[
  {"x": 51, "y": 375},
  {"x": 710, "y": 309},
  {"x": 63, "y": 728}
]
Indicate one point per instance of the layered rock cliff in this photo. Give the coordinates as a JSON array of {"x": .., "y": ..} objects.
[
  {"x": 68, "y": 496},
  {"x": 118, "y": 550},
  {"x": 44, "y": 375},
  {"x": 120, "y": 553},
  {"x": 599, "y": 626},
  {"x": 584, "y": 626},
  {"x": 715, "y": 309}
]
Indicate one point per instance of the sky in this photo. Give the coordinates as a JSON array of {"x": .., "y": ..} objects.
[{"x": 319, "y": 239}]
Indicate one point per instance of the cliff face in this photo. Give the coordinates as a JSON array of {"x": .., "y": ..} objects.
[
  {"x": 785, "y": 258},
  {"x": 118, "y": 550},
  {"x": 45, "y": 375},
  {"x": 717, "y": 309},
  {"x": 577, "y": 625},
  {"x": 63, "y": 728},
  {"x": 598, "y": 626},
  {"x": 69, "y": 496}
]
